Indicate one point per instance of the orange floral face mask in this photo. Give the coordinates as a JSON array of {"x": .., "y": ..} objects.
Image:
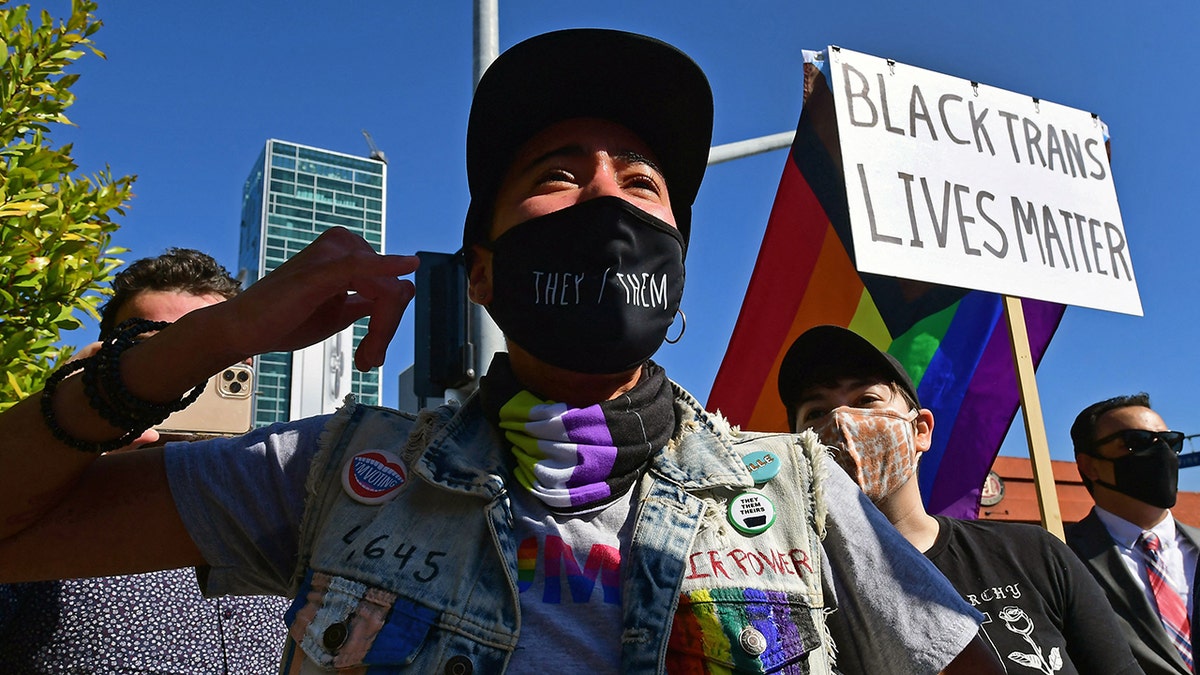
[{"x": 876, "y": 447}]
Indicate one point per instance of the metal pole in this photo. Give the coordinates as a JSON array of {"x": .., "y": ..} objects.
[
  {"x": 753, "y": 146},
  {"x": 487, "y": 36},
  {"x": 484, "y": 334}
]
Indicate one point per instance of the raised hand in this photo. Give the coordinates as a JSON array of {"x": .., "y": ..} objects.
[{"x": 333, "y": 282}]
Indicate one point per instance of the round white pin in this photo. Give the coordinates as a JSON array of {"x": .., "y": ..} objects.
[{"x": 751, "y": 512}]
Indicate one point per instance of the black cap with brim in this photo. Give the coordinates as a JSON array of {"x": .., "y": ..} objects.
[
  {"x": 824, "y": 354},
  {"x": 644, "y": 84}
]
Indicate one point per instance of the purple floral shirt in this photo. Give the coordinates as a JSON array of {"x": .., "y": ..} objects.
[{"x": 144, "y": 623}]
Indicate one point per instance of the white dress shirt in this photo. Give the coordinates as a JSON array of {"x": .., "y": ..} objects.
[{"x": 1178, "y": 554}]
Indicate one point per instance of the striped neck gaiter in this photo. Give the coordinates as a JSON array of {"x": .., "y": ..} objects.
[{"x": 578, "y": 459}]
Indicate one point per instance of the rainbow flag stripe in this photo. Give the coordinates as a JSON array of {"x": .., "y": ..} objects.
[
  {"x": 953, "y": 341},
  {"x": 526, "y": 563},
  {"x": 709, "y": 621}
]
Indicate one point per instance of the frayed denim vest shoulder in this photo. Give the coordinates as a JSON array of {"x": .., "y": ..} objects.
[{"x": 426, "y": 582}]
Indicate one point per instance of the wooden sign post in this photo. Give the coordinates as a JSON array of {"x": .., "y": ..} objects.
[{"x": 1031, "y": 409}]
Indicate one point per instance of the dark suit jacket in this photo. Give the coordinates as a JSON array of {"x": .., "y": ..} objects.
[{"x": 1139, "y": 620}]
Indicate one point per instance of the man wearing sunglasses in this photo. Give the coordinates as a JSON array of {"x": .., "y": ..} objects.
[{"x": 1143, "y": 558}]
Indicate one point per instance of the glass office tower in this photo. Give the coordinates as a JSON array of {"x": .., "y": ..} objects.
[{"x": 292, "y": 195}]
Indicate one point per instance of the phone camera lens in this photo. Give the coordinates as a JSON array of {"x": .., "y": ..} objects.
[
  {"x": 227, "y": 375},
  {"x": 242, "y": 376},
  {"x": 235, "y": 387}
]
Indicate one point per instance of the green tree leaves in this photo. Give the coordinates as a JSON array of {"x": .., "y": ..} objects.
[{"x": 56, "y": 227}]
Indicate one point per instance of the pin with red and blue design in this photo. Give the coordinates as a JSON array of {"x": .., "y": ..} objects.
[{"x": 374, "y": 477}]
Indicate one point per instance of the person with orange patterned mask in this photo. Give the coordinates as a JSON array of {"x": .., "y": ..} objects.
[{"x": 862, "y": 404}]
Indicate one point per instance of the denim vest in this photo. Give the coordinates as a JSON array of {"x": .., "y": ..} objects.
[{"x": 425, "y": 582}]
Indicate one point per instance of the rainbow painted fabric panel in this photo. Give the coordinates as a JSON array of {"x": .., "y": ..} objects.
[
  {"x": 952, "y": 341},
  {"x": 565, "y": 455},
  {"x": 710, "y": 625}
]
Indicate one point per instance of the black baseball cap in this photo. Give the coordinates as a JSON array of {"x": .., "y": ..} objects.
[
  {"x": 644, "y": 84},
  {"x": 823, "y": 354}
]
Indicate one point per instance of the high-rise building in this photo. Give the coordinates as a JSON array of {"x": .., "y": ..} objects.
[{"x": 292, "y": 195}]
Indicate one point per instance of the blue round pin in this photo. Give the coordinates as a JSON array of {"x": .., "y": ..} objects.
[{"x": 763, "y": 465}]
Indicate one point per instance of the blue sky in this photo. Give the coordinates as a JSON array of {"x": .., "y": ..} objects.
[{"x": 190, "y": 93}]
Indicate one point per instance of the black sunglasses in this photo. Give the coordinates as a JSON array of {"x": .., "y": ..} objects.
[{"x": 1141, "y": 440}]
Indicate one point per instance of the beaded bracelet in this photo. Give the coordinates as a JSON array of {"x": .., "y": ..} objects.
[
  {"x": 129, "y": 410},
  {"x": 107, "y": 394},
  {"x": 61, "y": 434},
  {"x": 97, "y": 400}
]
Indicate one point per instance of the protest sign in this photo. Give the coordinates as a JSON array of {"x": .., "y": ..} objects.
[{"x": 953, "y": 182}]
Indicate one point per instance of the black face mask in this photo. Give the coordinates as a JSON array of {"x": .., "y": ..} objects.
[
  {"x": 591, "y": 288},
  {"x": 1150, "y": 475}
]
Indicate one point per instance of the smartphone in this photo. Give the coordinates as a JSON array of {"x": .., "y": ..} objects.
[{"x": 222, "y": 409}]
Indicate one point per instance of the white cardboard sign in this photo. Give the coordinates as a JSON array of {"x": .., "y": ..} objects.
[{"x": 957, "y": 183}]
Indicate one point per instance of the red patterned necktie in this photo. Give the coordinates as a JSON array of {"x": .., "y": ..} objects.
[{"x": 1171, "y": 608}]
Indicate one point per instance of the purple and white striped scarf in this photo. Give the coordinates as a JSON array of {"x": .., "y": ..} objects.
[{"x": 577, "y": 459}]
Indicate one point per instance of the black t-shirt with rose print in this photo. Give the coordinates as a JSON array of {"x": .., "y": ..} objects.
[{"x": 1043, "y": 612}]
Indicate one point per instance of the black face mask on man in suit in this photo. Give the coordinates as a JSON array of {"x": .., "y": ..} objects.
[{"x": 1149, "y": 475}]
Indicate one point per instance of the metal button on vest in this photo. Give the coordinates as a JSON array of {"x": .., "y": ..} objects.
[
  {"x": 335, "y": 636},
  {"x": 459, "y": 665},
  {"x": 752, "y": 641}
]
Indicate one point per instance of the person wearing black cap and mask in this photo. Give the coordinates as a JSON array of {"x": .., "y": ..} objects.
[
  {"x": 581, "y": 512},
  {"x": 1142, "y": 557},
  {"x": 1043, "y": 611}
]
